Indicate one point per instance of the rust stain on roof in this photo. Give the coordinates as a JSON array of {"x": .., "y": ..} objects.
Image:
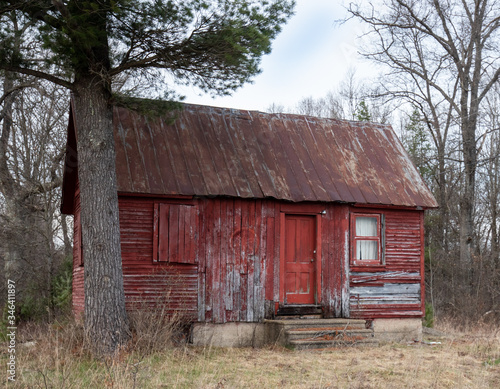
[{"x": 210, "y": 151}]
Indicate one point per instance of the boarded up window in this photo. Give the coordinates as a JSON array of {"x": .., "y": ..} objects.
[{"x": 175, "y": 233}]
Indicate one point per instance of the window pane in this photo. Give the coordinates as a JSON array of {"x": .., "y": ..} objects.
[
  {"x": 367, "y": 250},
  {"x": 366, "y": 226}
]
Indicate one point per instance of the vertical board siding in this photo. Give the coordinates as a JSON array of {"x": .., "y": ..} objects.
[
  {"x": 235, "y": 251},
  {"x": 335, "y": 256},
  {"x": 175, "y": 232},
  {"x": 394, "y": 290}
]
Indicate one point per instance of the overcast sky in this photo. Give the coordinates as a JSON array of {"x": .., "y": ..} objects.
[{"x": 310, "y": 57}]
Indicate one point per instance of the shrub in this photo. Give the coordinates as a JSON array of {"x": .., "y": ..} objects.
[{"x": 428, "y": 320}]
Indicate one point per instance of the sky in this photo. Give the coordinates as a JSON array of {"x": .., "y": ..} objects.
[{"x": 310, "y": 57}]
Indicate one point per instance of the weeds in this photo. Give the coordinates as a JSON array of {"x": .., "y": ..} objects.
[
  {"x": 157, "y": 330},
  {"x": 54, "y": 356}
]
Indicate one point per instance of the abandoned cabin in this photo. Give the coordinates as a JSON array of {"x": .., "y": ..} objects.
[{"x": 238, "y": 219}]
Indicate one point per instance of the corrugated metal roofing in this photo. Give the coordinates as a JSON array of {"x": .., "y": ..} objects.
[{"x": 210, "y": 151}]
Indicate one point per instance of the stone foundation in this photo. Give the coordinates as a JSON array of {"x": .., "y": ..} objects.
[
  {"x": 229, "y": 334},
  {"x": 397, "y": 330}
]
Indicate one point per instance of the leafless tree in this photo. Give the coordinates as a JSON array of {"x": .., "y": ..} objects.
[
  {"x": 34, "y": 237},
  {"x": 441, "y": 53},
  {"x": 344, "y": 102}
]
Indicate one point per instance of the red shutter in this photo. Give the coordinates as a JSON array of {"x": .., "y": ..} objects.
[{"x": 175, "y": 233}]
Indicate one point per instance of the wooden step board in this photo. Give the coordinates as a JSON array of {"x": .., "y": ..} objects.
[{"x": 303, "y": 334}]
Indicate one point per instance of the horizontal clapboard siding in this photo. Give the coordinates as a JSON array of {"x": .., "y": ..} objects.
[
  {"x": 174, "y": 288},
  {"x": 387, "y": 294},
  {"x": 403, "y": 241},
  {"x": 77, "y": 285},
  {"x": 388, "y": 300},
  {"x": 170, "y": 286},
  {"x": 393, "y": 290}
]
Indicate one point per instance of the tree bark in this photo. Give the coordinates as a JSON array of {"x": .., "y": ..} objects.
[
  {"x": 8, "y": 187},
  {"x": 68, "y": 247},
  {"x": 106, "y": 319}
]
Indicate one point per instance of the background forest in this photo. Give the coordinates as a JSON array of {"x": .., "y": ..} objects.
[{"x": 439, "y": 89}]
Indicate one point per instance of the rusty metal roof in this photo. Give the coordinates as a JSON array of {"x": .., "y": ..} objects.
[{"x": 211, "y": 151}]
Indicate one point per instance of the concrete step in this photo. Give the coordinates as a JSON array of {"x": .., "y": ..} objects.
[
  {"x": 299, "y": 317},
  {"x": 312, "y": 323},
  {"x": 328, "y": 333},
  {"x": 314, "y": 344},
  {"x": 302, "y": 334}
]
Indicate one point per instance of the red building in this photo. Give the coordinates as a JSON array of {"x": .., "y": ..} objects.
[{"x": 241, "y": 216}]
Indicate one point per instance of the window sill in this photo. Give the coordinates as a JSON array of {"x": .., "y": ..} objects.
[{"x": 356, "y": 267}]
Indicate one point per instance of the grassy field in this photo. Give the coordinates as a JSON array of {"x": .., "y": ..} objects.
[{"x": 52, "y": 357}]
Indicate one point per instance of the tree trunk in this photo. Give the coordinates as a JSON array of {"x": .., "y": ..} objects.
[
  {"x": 9, "y": 189},
  {"x": 68, "y": 248},
  {"x": 493, "y": 197},
  {"x": 468, "y": 128},
  {"x": 441, "y": 238},
  {"x": 106, "y": 321}
]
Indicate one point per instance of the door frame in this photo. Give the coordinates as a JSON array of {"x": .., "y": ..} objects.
[{"x": 306, "y": 210}]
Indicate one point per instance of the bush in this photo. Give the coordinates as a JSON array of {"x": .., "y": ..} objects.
[
  {"x": 156, "y": 329},
  {"x": 428, "y": 320},
  {"x": 62, "y": 287}
]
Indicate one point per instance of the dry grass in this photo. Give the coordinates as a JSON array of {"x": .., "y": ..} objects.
[{"x": 57, "y": 360}]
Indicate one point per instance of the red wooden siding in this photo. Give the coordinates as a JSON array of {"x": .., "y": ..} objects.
[
  {"x": 175, "y": 232},
  {"x": 146, "y": 282},
  {"x": 230, "y": 266},
  {"x": 335, "y": 261},
  {"x": 234, "y": 259},
  {"x": 393, "y": 290},
  {"x": 77, "y": 286},
  {"x": 239, "y": 257}
]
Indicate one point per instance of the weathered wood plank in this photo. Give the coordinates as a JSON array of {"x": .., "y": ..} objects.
[
  {"x": 343, "y": 245},
  {"x": 250, "y": 258},
  {"x": 217, "y": 282},
  {"x": 386, "y": 289},
  {"x": 328, "y": 263},
  {"x": 163, "y": 233},
  {"x": 270, "y": 255},
  {"x": 381, "y": 277},
  {"x": 260, "y": 281}
]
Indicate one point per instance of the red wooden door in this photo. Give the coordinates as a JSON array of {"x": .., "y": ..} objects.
[{"x": 300, "y": 257}]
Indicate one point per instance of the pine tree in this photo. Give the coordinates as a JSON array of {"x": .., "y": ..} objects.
[
  {"x": 215, "y": 45},
  {"x": 417, "y": 144},
  {"x": 362, "y": 112}
]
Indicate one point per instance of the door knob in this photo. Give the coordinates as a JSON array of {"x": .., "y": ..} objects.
[{"x": 312, "y": 259}]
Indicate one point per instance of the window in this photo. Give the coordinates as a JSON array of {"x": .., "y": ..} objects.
[
  {"x": 175, "y": 233},
  {"x": 367, "y": 239}
]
